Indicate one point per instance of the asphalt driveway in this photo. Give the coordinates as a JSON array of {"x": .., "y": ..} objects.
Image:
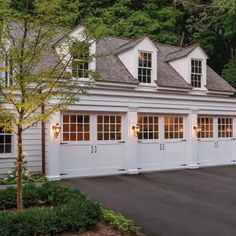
[{"x": 177, "y": 203}]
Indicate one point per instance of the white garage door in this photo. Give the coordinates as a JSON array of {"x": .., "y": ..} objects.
[
  {"x": 161, "y": 142},
  {"x": 92, "y": 145},
  {"x": 216, "y": 142}
]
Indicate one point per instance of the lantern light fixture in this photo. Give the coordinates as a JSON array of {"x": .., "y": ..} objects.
[
  {"x": 197, "y": 128},
  {"x": 136, "y": 129},
  {"x": 56, "y": 128}
]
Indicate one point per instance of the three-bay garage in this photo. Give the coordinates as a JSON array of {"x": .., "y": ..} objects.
[{"x": 95, "y": 144}]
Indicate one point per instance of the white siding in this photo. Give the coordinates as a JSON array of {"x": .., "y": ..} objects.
[{"x": 32, "y": 146}]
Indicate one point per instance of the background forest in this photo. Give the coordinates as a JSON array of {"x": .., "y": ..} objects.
[{"x": 212, "y": 23}]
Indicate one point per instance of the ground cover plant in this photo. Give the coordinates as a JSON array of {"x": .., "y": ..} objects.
[{"x": 52, "y": 208}]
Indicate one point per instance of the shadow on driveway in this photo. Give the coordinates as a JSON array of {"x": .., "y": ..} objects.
[{"x": 176, "y": 203}]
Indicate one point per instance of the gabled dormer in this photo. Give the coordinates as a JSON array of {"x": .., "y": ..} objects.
[
  {"x": 140, "y": 59},
  {"x": 79, "y": 63},
  {"x": 191, "y": 64}
]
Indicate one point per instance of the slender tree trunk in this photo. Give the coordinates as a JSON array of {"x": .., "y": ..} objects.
[{"x": 19, "y": 169}]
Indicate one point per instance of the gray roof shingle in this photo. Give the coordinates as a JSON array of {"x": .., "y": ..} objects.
[
  {"x": 182, "y": 52},
  {"x": 217, "y": 83}
]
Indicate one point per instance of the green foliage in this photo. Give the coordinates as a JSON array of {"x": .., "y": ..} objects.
[
  {"x": 62, "y": 210},
  {"x": 119, "y": 222},
  {"x": 229, "y": 72},
  {"x": 133, "y": 19}
]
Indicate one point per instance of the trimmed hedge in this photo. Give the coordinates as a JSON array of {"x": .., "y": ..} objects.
[{"x": 62, "y": 210}]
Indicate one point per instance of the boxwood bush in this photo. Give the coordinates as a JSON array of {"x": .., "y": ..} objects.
[{"x": 59, "y": 209}]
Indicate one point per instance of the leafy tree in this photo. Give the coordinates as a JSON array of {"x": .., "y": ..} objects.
[
  {"x": 36, "y": 75},
  {"x": 229, "y": 72},
  {"x": 132, "y": 19}
]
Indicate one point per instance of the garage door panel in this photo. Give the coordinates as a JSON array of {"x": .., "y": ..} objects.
[
  {"x": 225, "y": 153},
  {"x": 109, "y": 159},
  {"x": 76, "y": 160},
  {"x": 150, "y": 156},
  {"x": 206, "y": 155},
  {"x": 175, "y": 155}
]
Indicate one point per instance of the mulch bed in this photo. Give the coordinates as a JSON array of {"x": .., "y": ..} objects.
[{"x": 101, "y": 230}]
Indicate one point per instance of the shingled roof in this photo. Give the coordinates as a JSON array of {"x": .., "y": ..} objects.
[{"x": 112, "y": 69}]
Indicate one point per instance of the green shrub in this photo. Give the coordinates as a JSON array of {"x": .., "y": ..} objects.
[
  {"x": 67, "y": 210},
  {"x": 119, "y": 222}
]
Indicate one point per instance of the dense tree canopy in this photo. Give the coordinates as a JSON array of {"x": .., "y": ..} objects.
[{"x": 177, "y": 22}]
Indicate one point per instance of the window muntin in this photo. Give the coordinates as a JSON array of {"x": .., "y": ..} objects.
[
  {"x": 5, "y": 142},
  {"x": 76, "y": 127},
  {"x": 196, "y": 73},
  {"x": 173, "y": 127},
  {"x": 144, "y": 67},
  {"x": 206, "y": 127},
  {"x": 225, "y": 127},
  {"x": 109, "y": 127},
  {"x": 149, "y": 127}
]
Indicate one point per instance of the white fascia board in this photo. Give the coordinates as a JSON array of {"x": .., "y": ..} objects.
[
  {"x": 114, "y": 84},
  {"x": 220, "y": 93},
  {"x": 173, "y": 89}
]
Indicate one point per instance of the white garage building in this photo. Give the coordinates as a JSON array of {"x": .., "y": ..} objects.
[{"x": 157, "y": 107}]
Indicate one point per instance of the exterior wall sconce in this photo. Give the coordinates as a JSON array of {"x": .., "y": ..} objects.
[
  {"x": 56, "y": 128},
  {"x": 136, "y": 129},
  {"x": 197, "y": 128}
]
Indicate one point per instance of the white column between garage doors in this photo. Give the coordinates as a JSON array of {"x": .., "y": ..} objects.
[{"x": 92, "y": 144}]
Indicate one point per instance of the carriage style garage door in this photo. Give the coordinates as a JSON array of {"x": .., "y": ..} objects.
[
  {"x": 216, "y": 142},
  {"x": 92, "y": 144},
  {"x": 161, "y": 142}
]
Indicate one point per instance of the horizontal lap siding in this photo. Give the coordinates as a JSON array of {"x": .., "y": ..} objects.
[{"x": 32, "y": 146}]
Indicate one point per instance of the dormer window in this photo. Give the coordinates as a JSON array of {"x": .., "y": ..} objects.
[
  {"x": 196, "y": 73},
  {"x": 80, "y": 60},
  {"x": 144, "y": 67}
]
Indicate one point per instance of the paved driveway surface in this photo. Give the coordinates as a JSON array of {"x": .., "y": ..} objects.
[{"x": 177, "y": 203}]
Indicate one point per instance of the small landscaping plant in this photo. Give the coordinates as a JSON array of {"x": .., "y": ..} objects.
[
  {"x": 50, "y": 208},
  {"x": 118, "y": 221},
  {"x": 26, "y": 174}
]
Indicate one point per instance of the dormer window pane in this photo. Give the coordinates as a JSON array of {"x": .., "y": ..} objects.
[
  {"x": 80, "y": 60},
  {"x": 196, "y": 73},
  {"x": 144, "y": 67}
]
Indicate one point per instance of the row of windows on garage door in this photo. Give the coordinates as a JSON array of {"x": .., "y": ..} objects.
[{"x": 77, "y": 127}]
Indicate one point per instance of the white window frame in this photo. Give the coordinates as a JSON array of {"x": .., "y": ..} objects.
[
  {"x": 154, "y": 130},
  {"x": 76, "y": 124},
  {"x": 194, "y": 73},
  {"x": 204, "y": 127},
  {"x": 228, "y": 124},
  {"x": 9, "y": 154},
  {"x": 109, "y": 124},
  {"x": 147, "y": 68},
  {"x": 174, "y": 127}
]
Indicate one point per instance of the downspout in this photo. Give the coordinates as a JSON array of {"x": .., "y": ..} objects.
[{"x": 43, "y": 143}]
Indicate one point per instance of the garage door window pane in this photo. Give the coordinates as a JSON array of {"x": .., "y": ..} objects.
[
  {"x": 149, "y": 127},
  {"x": 225, "y": 127},
  {"x": 109, "y": 127},
  {"x": 205, "y": 125},
  {"x": 173, "y": 127},
  {"x": 76, "y": 128}
]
